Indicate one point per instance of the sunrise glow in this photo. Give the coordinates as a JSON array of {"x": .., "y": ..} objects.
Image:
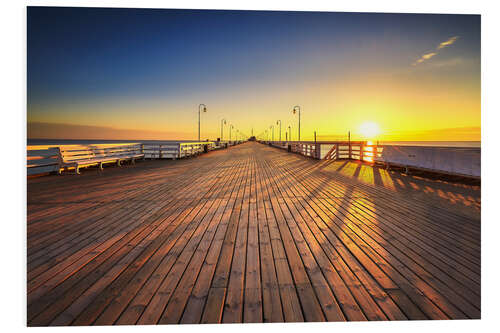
[{"x": 369, "y": 130}]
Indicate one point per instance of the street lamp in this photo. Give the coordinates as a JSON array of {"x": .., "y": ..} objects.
[
  {"x": 279, "y": 121},
  {"x": 272, "y": 129},
  {"x": 290, "y": 132},
  {"x": 222, "y": 123},
  {"x": 230, "y": 126},
  {"x": 199, "y": 116},
  {"x": 295, "y": 108}
]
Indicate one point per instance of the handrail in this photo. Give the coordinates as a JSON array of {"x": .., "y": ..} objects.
[
  {"x": 450, "y": 160},
  {"x": 357, "y": 150}
]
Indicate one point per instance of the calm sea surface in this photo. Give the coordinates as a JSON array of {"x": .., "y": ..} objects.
[
  {"x": 470, "y": 144},
  {"x": 45, "y": 142}
]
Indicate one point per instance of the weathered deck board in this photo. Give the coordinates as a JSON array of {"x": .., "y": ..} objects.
[{"x": 250, "y": 234}]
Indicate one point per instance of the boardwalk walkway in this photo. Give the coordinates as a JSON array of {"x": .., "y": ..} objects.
[{"x": 250, "y": 234}]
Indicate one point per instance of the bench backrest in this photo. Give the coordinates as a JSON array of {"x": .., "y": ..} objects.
[
  {"x": 75, "y": 153},
  {"x": 42, "y": 159}
]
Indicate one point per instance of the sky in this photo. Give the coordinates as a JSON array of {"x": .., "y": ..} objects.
[{"x": 109, "y": 73}]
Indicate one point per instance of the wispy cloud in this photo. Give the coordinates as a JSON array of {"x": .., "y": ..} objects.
[
  {"x": 429, "y": 55},
  {"x": 447, "y": 43},
  {"x": 426, "y": 57}
]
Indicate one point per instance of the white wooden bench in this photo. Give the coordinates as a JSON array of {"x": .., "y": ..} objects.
[
  {"x": 42, "y": 159},
  {"x": 76, "y": 157},
  {"x": 174, "y": 150}
]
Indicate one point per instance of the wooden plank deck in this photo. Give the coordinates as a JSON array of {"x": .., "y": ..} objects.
[{"x": 250, "y": 234}]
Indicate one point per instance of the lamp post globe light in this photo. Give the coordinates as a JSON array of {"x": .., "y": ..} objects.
[
  {"x": 201, "y": 107},
  {"x": 295, "y": 109}
]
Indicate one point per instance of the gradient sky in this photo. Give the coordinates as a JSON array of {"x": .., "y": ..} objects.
[{"x": 141, "y": 73}]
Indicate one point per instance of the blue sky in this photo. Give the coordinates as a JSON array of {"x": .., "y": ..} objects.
[{"x": 124, "y": 67}]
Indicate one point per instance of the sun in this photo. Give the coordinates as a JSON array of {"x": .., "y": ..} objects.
[{"x": 369, "y": 129}]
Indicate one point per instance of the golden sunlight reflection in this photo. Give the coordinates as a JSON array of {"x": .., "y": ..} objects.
[{"x": 368, "y": 153}]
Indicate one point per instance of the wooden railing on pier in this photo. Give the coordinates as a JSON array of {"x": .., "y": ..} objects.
[
  {"x": 353, "y": 150},
  {"x": 456, "y": 161}
]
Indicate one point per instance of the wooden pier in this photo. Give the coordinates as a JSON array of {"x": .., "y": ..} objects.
[{"x": 250, "y": 234}]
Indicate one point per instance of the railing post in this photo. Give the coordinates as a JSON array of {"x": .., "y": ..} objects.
[{"x": 349, "y": 139}]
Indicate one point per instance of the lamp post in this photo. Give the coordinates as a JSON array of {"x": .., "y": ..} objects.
[
  {"x": 199, "y": 117},
  {"x": 230, "y": 127},
  {"x": 290, "y": 132},
  {"x": 222, "y": 123},
  {"x": 295, "y": 109},
  {"x": 272, "y": 129},
  {"x": 267, "y": 135},
  {"x": 279, "y": 121}
]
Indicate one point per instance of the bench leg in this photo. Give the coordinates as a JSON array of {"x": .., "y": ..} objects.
[
  {"x": 100, "y": 167},
  {"x": 119, "y": 163},
  {"x": 77, "y": 170}
]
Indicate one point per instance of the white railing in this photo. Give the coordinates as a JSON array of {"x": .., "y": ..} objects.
[
  {"x": 354, "y": 150},
  {"x": 305, "y": 148},
  {"x": 330, "y": 150},
  {"x": 450, "y": 160}
]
